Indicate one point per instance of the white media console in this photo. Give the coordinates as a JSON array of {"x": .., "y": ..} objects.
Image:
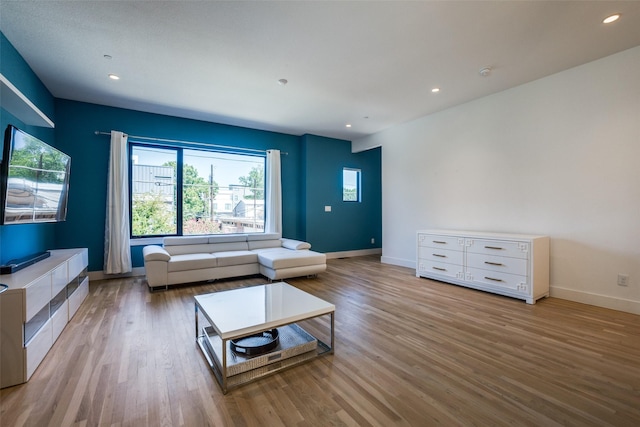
[
  {"x": 38, "y": 304},
  {"x": 515, "y": 265}
]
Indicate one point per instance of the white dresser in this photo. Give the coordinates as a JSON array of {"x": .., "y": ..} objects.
[
  {"x": 515, "y": 265},
  {"x": 36, "y": 307}
]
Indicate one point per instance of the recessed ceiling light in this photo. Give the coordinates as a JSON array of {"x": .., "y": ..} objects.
[
  {"x": 283, "y": 82},
  {"x": 610, "y": 19},
  {"x": 348, "y": 125},
  {"x": 435, "y": 90},
  {"x": 114, "y": 77}
]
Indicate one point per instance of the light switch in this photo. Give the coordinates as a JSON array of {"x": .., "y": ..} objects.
[{"x": 327, "y": 208}]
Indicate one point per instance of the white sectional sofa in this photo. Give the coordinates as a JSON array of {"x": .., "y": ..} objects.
[{"x": 186, "y": 259}]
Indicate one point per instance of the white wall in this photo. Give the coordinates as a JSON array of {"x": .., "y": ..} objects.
[{"x": 559, "y": 156}]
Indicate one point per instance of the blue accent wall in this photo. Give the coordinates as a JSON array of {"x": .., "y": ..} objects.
[
  {"x": 350, "y": 225},
  {"x": 311, "y": 173},
  {"x": 20, "y": 240},
  {"x": 75, "y": 134}
]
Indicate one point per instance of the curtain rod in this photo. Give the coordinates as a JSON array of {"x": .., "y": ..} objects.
[{"x": 194, "y": 143}]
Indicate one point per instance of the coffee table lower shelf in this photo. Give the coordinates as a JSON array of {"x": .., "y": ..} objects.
[{"x": 295, "y": 346}]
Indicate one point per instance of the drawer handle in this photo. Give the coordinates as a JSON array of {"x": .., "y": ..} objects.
[
  {"x": 491, "y": 278},
  {"x": 493, "y": 263},
  {"x": 441, "y": 256},
  {"x": 440, "y": 242},
  {"x": 493, "y": 247},
  {"x": 439, "y": 269}
]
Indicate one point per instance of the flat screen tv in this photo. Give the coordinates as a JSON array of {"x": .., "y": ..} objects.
[{"x": 34, "y": 180}]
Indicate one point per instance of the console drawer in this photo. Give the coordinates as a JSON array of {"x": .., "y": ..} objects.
[
  {"x": 37, "y": 348},
  {"x": 59, "y": 279},
  {"x": 38, "y": 294},
  {"x": 59, "y": 320},
  {"x": 78, "y": 296},
  {"x": 498, "y": 247},
  {"x": 76, "y": 265}
]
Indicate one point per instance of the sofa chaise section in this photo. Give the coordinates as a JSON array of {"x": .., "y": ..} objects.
[{"x": 185, "y": 259}]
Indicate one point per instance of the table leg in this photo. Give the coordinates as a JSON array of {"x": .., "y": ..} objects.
[
  {"x": 332, "y": 331},
  {"x": 196, "y": 306},
  {"x": 224, "y": 366}
]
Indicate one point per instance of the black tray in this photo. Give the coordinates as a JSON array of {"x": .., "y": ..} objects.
[{"x": 256, "y": 344}]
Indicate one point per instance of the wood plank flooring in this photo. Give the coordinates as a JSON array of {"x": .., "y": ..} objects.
[{"x": 409, "y": 352}]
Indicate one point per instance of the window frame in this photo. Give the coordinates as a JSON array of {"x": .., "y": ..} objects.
[
  {"x": 358, "y": 185},
  {"x": 179, "y": 184}
]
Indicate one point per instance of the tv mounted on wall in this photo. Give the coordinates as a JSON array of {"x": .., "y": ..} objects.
[{"x": 34, "y": 180}]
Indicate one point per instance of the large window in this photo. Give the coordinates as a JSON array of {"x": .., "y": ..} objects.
[{"x": 180, "y": 191}]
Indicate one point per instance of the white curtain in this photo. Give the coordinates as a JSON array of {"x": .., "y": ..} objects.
[
  {"x": 273, "y": 220},
  {"x": 117, "y": 253}
]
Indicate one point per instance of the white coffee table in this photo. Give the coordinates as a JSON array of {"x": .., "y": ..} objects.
[{"x": 229, "y": 315}]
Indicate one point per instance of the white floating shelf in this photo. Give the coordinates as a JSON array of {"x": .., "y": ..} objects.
[{"x": 20, "y": 106}]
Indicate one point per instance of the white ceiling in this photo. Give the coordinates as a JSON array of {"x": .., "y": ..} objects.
[{"x": 371, "y": 64}]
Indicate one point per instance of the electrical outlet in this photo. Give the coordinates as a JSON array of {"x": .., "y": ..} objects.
[
  {"x": 623, "y": 279},
  {"x": 373, "y": 241}
]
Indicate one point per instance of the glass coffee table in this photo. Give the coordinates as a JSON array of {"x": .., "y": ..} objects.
[{"x": 284, "y": 320}]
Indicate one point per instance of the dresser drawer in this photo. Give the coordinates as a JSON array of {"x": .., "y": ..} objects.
[
  {"x": 498, "y": 280},
  {"x": 441, "y": 242},
  {"x": 501, "y": 264},
  {"x": 433, "y": 268},
  {"x": 441, "y": 255},
  {"x": 498, "y": 247}
]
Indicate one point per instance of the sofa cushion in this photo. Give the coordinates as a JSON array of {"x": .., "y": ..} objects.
[
  {"x": 188, "y": 249},
  {"x": 235, "y": 258},
  {"x": 286, "y": 258},
  {"x": 226, "y": 247},
  {"x": 227, "y": 238},
  {"x": 185, "y": 240},
  {"x": 261, "y": 244},
  {"x": 155, "y": 253},
  {"x": 296, "y": 245},
  {"x": 192, "y": 262},
  {"x": 263, "y": 236}
]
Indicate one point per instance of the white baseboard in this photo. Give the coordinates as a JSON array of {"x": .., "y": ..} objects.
[
  {"x": 349, "y": 254},
  {"x": 598, "y": 300},
  {"x": 399, "y": 261}
]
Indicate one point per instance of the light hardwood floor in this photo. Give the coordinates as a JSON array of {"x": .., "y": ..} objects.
[{"x": 409, "y": 352}]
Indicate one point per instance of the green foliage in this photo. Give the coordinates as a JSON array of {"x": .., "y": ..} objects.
[
  {"x": 255, "y": 182},
  {"x": 39, "y": 166},
  {"x": 151, "y": 215},
  {"x": 349, "y": 195}
]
